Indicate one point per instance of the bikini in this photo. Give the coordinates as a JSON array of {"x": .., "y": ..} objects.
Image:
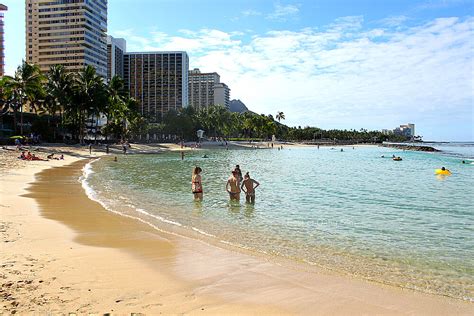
[{"x": 197, "y": 188}]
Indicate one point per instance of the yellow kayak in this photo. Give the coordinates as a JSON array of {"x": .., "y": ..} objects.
[{"x": 445, "y": 172}]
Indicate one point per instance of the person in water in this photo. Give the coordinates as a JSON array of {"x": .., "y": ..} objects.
[
  {"x": 196, "y": 185},
  {"x": 249, "y": 188},
  {"x": 239, "y": 173},
  {"x": 232, "y": 187}
]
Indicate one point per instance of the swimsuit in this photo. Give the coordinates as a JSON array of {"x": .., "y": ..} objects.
[{"x": 196, "y": 187}]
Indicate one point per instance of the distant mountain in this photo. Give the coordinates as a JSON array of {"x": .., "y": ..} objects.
[{"x": 237, "y": 106}]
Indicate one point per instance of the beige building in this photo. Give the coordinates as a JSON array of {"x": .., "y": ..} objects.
[
  {"x": 2, "y": 48},
  {"x": 71, "y": 33},
  {"x": 158, "y": 81},
  {"x": 205, "y": 90},
  {"x": 221, "y": 94}
]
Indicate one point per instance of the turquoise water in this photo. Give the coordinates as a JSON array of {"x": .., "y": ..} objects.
[{"x": 352, "y": 211}]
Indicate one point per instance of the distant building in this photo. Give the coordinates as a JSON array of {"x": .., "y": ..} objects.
[
  {"x": 116, "y": 48},
  {"x": 71, "y": 33},
  {"x": 2, "y": 47},
  {"x": 158, "y": 81},
  {"x": 205, "y": 90},
  {"x": 221, "y": 94},
  {"x": 407, "y": 130}
]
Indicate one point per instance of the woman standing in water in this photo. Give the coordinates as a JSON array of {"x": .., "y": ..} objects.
[
  {"x": 233, "y": 186},
  {"x": 196, "y": 185}
]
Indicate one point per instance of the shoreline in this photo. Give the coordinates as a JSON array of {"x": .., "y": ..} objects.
[{"x": 218, "y": 280}]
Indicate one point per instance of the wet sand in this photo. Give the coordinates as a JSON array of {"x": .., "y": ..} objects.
[{"x": 61, "y": 253}]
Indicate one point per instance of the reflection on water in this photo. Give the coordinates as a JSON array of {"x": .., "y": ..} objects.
[{"x": 351, "y": 211}]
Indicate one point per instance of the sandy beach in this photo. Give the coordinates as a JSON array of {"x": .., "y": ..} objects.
[{"x": 61, "y": 253}]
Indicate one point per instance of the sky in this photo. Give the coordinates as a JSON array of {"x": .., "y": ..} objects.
[{"x": 347, "y": 64}]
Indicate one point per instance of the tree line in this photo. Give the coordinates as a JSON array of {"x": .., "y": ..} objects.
[{"x": 72, "y": 104}]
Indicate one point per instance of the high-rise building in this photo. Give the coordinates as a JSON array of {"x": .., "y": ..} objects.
[
  {"x": 222, "y": 95},
  {"x": 205, "y": 90},
  {"x": 201, "y": 88},
  {"x": 116, "y": 48},
  {"x": 2, "y": 49},
  {"x": 67, "y": 32},
  {"x": 158, "y": 81}
]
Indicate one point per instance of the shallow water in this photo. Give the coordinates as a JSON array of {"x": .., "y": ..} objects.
[{"x": 352, "y": 211}]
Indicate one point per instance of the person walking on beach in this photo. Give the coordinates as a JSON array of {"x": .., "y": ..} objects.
[
  {"x": 232, "y": 187},
  {"x": 196, "y": 185},
  {"x": 90, "y": 148},
  {"x": 249, "y": 190}
]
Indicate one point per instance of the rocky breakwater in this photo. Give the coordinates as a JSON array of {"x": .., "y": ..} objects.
[{"x": 411, "y": 147}]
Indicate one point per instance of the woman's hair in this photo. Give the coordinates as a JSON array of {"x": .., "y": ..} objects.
[
  {"x": 247, "y": 175},
  {"x": 197, "y": 170}
]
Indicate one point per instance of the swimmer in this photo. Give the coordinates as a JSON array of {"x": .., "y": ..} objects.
[
  {"x": 205, "y": 156},
  {"x": 115, "y": 158},
  {"x": 249, "y": 188},
  {"x": 232, "y": 186},
  {"x": 196, "y": 185}
]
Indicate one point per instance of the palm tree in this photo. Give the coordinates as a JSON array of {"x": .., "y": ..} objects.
[
  {"x": 116, "y": 109},
  {"x": 24, "y": 86},
  {"x": 89, "y": 98},
  {"x": 280, "y": 116},
  {"x": 59, "y": 90}
]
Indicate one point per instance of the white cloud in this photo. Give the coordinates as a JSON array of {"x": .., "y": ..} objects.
[
  {"x": 283, "y": 12},
  {"x": 344, "y": 76},
  {"x": 251, "y": 12}
]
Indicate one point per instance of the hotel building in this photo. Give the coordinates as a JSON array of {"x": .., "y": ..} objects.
[
  {"x": 158, "y": 81},
  {"x": 205, "y": 90},
  {"x": 67, "y": 32},
  {"x": 222, "y": 95},
  {"x": 116, "y": 48},
  {"x": 2, "y": 47}
]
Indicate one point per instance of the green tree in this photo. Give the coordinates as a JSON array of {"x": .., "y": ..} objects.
[
  {"x": 24, "y": 87},
  {"x": 280, "y": 116},
  {"x": 89, "y": 99}
]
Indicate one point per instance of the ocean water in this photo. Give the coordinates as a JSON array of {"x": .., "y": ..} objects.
[{"x": 353, "y": 212}]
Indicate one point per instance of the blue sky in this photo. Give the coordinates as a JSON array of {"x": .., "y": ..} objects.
[{"x": 332, "y": 64}]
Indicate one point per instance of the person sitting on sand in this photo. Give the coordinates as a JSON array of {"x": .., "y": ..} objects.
[
  {"x": 22, "y": 156},
  {"x": 28, "y": 156},
  {"x": 249, "y": 188},
  {"x": 196, "y": 184},
  {"x": 232, "y": 187},
  {"x": 33, "y": 157},
  {"x": 50, "y": 156}
]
